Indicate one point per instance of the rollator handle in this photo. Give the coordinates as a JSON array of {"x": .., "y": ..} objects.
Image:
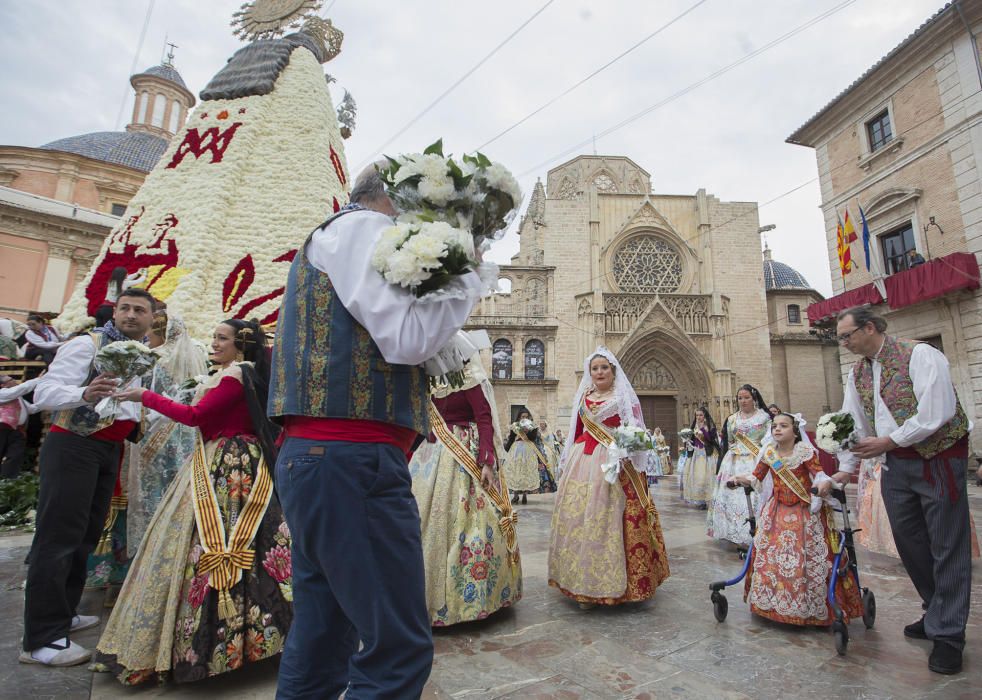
[{"x": 838, "y": 493}]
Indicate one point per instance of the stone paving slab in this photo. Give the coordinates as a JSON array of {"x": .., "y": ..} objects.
[{"x": 546, "y": 647}]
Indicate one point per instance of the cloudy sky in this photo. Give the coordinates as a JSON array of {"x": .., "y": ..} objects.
[{"x": 67, "y": 62}]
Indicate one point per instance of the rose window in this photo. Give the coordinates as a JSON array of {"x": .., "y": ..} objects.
[
  {"x": 604, "y": 183},
  {"x": 647, "y": 265}
]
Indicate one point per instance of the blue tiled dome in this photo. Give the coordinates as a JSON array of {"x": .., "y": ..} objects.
[
  {"x": 135, "y": 149},
  {"x": 167, "y": 72},
  {"x": 777, "y": 275}
]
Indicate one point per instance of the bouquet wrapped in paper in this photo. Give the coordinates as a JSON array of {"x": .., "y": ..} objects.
[
  {"x": 836, "y": 432},
  {"x": 628, "y": 440},
  {"x": 524, "y": 426},
  {"x": 686, "y": 435},
  {"x": 126, "y": 360}
]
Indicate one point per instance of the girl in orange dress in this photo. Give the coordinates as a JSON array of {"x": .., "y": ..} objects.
[
  {"x": 606, "y": 545},
  {"x": 791, "y": 564}
]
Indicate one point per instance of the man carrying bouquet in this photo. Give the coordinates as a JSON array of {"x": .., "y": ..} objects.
[
  {"x": 904, "y": 405},
  {"x": 347, "y": 387},
  {"x": 78, "y": 464}
]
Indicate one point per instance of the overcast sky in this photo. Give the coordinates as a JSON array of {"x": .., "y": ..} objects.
[{"x": 66, "y": 67}]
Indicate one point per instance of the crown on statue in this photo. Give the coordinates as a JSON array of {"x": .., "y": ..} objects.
[
  {"x": 267, "y": 19},
  {"x": 324, "y": 31}
]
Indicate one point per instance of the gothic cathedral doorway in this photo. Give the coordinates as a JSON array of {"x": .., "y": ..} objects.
[{"x": 661, "y": 412}]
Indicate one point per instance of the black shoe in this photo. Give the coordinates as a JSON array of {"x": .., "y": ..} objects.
[
  {"x": 514, "y": 500},
  {"x": 525, "y": 500},
  {"x": 945, "y": 658},
  {"x": 915, "y": 630}
]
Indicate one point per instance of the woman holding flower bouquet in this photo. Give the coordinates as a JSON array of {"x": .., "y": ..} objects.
[
  {"x": 606, "y": 545},
  {"x": 743, "y": 434},
  {"x": 470, "y": 548},
  {"x": 698, "y": 474},
  {"x": 528, "y": 464},
  {"x": 210, "y": 589}
]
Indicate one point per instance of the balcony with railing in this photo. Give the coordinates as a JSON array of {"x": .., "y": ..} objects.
[{"x": 692, "y": 311}]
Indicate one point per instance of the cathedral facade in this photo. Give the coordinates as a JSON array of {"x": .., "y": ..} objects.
[{"x": 672, "y": 284}]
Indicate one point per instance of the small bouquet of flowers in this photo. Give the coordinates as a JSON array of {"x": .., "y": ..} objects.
[
  {"x": 523, "y": 426},
  {"x": 628, "y": 439},
  {"x": 686, "y": 435},
  {"x": 126, "y": 360},
  {"x": 836, "y": 432},
  {"x": 423, "y": 256}
]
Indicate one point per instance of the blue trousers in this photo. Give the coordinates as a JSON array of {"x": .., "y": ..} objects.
[{"x": 357, "y": 573}]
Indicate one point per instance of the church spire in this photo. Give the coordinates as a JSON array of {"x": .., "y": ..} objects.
[{"x": 537, "y": 205}]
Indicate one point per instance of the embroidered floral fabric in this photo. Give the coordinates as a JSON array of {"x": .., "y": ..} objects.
[
  {"x": 469, "y": 572},
  {"x": 727, "y": 515},
  {"x": 166, "y": 620}
]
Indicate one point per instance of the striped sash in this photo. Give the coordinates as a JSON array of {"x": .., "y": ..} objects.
[
  {"x": 751, "y": 446},
  {"x": 603, "y": 436},
  {"x": 224, "y": 562},
  {"x": 538, "y": 453},
  {"x": 508, "y": 518},
  {"x": 782, "y": 472}
]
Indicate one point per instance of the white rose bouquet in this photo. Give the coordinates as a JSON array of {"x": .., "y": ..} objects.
[
  {"x": 686, "y": 435},
  {"x": 628, "y": 439},
  {"x": 423, "y": 256},
  {"x": 836, "y": 432},
  {"x": 522, "y": 426},
  {"x": 126, "y": 360},
  {"x": 474, "y": 194}
]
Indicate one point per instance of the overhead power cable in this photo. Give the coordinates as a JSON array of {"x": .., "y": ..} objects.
[{"x": 136, "y": 60}]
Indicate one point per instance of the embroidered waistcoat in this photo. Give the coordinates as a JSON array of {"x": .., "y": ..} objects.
[
  {"x": 326, "y": 365},
  {"x": 84, "y": 420},
  {"x": 897, "y": 392}
]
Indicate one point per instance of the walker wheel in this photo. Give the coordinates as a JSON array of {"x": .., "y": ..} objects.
[
  {"x": 721, "y": 606},
  {"x": 869, "y": 608},
  {"x": 841, "y": 634}
]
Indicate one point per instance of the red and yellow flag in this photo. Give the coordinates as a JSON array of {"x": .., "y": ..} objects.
[{"x": 845, "y": 233}]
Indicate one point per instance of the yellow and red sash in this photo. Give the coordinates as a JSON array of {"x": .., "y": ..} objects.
[
  {"x": 751, "y": 446},
  {"x": 603, "y": 436},
  {"x": 781, "y": 471},
  {"x": 508, "y": 518},
  {"x": 224, "y": 562},
  {"x": 538, "y": 453}
]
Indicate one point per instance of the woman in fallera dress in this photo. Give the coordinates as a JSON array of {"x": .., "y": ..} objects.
[
  {"x": 606, "y": 545},
  {"x": 791, "y": 564},
  {"x": 527, "y": 464},
  {"x": 470, "y": 548},
  {"x": 743, "y": 433},
  {"x": 210, "y": 588},
  {"x": 698, "y": 474}
]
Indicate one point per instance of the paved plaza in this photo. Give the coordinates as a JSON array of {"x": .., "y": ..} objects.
[{"x": 546, "y": 647}]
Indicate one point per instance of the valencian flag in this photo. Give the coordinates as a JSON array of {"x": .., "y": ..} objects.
[{"x": 845, "y": 234}]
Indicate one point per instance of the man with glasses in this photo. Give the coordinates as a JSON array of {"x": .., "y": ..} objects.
[{"x": 900, "y": 394}]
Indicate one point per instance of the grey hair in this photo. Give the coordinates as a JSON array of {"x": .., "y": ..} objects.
[
  {"x": 368, "y": 185},
  {"x": 861, "y": 315}
]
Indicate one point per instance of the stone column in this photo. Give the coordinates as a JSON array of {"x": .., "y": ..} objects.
[{"x": 56, "y": 277}]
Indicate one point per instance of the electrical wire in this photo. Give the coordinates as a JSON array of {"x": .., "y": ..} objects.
[{"x": 136, "y": 59}]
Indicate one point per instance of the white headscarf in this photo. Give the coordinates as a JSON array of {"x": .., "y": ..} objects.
[{"x": 624, "y": 403}]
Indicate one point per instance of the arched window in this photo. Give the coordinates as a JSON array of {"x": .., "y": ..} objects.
[
  {"x": 142, "y": 114},
  {"x": 175, "y": 115},
  {"x": 501, "y": 359},
  {"x": 535, "y": 360},
  {"x": 159, "y": 105},
  {"x": 647, "y": 265},
  {"x": 794, "y": 314},
  {"x": 504, "y": 285}
]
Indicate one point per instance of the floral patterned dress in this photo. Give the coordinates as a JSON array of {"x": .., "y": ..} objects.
[
  {"x": 791, "y": 561},
  {"x": 727, "y": 516},
  {"x": 166, "y": 621},
  {"x": 604, "y": 547},
  {"x": 469, "y": 571},
  {"x": 527, "y": 472}
]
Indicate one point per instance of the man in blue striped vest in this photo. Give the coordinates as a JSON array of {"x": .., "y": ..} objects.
[{"x": 347, "y": 387}]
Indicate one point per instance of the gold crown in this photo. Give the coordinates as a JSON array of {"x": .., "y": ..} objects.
[{"x": 324, "y": 31}]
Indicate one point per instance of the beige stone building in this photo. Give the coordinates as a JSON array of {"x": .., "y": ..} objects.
[
  {"x": 672, "y": 284},
  {"x": 58, "y": 202},
  {"x": 904, "y": 142}
]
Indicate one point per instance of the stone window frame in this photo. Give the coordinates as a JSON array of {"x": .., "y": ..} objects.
[
  {"x": 794, "y": 314},
  {"x": 496, "y": 364},
  {"x": 867, "y": 156}
]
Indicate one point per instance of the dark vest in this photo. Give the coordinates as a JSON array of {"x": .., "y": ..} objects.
[
  {"x": 326, "y": 365},
  {"x": 84, "y": 420},
  {"x": 897, "y": 392}
]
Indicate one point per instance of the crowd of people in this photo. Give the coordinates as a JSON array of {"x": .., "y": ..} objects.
[{"x": 215, "y": 501}]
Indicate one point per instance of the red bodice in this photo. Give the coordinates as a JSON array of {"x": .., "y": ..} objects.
[
  {"x": 803, "y": 472},
  {"x": 589, "y": 442},
  {"x": 466, "y": 407},
  {"x": 221, "y": 412}
]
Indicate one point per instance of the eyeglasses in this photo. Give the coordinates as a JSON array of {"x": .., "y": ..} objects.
[{"x": 844, "y": 338}]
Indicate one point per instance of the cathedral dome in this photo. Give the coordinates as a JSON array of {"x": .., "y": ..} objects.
[
  {"x": 777, "y": 275},
  {"x": 166, "y": 72},
  {"x": 138, "y": 150}
]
